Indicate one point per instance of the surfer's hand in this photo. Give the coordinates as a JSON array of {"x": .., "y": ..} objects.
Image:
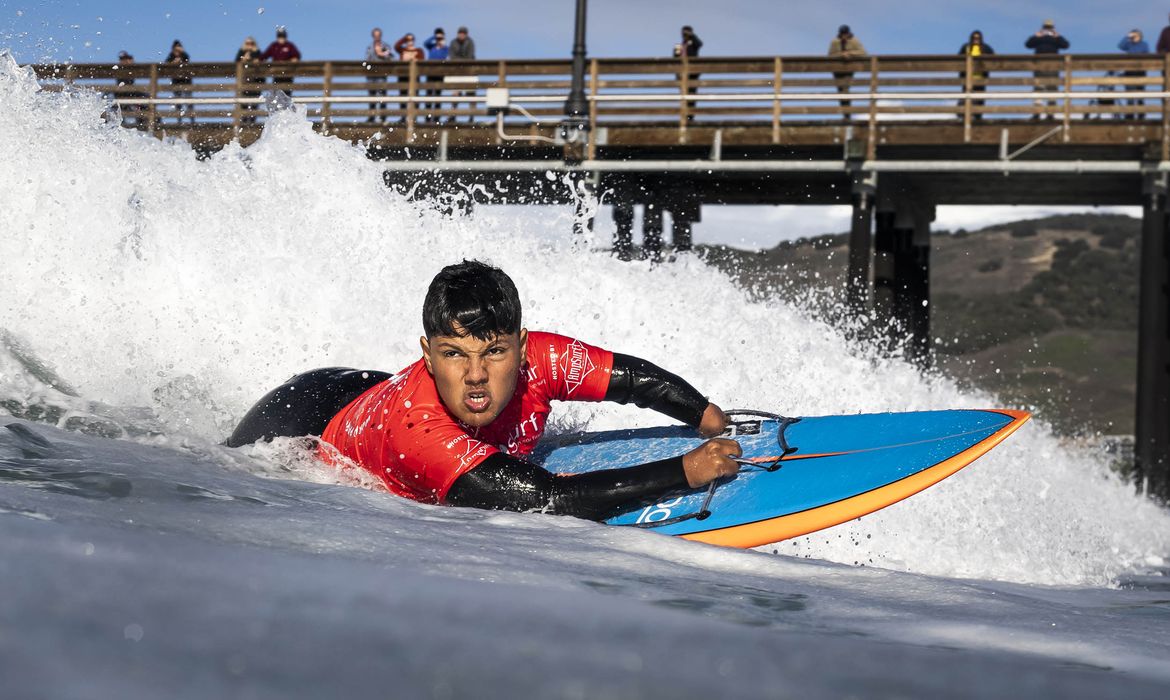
[
  {"x": 714, "y": 421},
  {"x": 710, "y": 461}
]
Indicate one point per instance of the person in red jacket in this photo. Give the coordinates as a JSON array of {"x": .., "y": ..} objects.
[
  {"x": 282, "y": 51},
  {"x": 455, "y": 426}
]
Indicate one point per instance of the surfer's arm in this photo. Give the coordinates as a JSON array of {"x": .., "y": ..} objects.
[
  {"x": 646, "y": 385},
  {"x": 504, "y": 482}
]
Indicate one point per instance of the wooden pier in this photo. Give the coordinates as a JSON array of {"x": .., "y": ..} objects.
[{"x": 894, "y": 136}]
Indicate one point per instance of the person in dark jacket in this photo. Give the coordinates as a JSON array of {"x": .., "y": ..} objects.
[
  {"x": 462, "y": 48},
  {"x": 178, "y": 57},
  {"x": 249, "y": 56},
  {"x": 975, "y": 48},
  {"x": 689, "y": 46},
  {"x": 1047, "y": 41},
  {"x": 1134, "y": 44},
  {"x": 282, "y": 51}
]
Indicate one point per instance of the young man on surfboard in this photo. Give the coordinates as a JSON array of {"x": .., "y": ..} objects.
[{"x": 454, "y": 427}]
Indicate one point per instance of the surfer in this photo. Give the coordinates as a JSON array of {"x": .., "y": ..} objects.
[{"x": 455, "y": 426}]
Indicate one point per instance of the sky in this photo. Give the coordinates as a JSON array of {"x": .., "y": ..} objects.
[{"x": 85, "y": 31}]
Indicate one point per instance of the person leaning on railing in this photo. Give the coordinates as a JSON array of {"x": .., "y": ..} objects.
[
  {"x": 131, "y": 114},
  {"x": 689, "y": 46},
  {"x": 282, "y": 51},
  {"x": 975, "y": 47},
  {"x": 249, "y": 55},
  {"x": 462, "y": 48},
  {"x": 845, "y": 45},
  {"x": 179, "y": 57},
  {"x": 437, "y": 50},
  {"x": 1133, "y": 43},
  {"x": 377, "y": 53},
  {"x": 1047, "y": 41},
  {"x": 407, "y": 51}
]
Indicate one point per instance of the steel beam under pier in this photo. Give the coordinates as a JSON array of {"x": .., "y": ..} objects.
[
  {"x": 1152, "y": 424},
  {"x": 902, "y": 277},
  {"x": 860, "y": 243}
]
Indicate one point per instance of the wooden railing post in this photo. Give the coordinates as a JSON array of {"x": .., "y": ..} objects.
[
  {"x": 871, "y": 145},
  {"x": 1166, "y": 108},
  {"x": 594, "y": 84},
  {"x": 501, "y": 81},
  {"x": 684, "y": 90},
  {"x": 968, "y": 84},
  {"x": 237, "y": 108},
  {"x": 777, "y": 86},
  {"x": 326, "y": 105},
  {"x": 411, "y": 107},
  {"x": 1068, "y": 95},
  {"x": 152, "y": 113}
]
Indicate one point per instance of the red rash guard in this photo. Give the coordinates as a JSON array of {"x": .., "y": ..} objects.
[{"x": 400, "y": 431}]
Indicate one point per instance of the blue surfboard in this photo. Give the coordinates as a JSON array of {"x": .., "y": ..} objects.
[{"x": 798, "y": 475}]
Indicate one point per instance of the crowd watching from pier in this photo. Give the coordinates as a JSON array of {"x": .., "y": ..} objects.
[{"x": 1046, "y": 41}]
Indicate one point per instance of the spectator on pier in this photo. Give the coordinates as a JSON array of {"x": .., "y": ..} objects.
[
  {"x": 462, "y": 49},
  {"x": 437, "y": 50},
  {"x": 249, "y": 56},
  {"x": 179, "y": 57},
  {"x": 378, "y": 53},
  {"x": 689, "y": 45},
  {"x": 1133, "y": 43},
  {"x": 407, "y": 51},
  {"x": 1163, "y": 46},
  {"x": 845, "y": 46},
  {"x": 1047, "y": 41},
  {"x": 976, "y": 47},
  {"x": 131, "y": 114},
  {"x": 282, "y": 51}
]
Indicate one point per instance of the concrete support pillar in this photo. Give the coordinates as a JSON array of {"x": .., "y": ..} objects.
[
  {"x": 860, "y": 243},
  {"x": 683, "y": 215},
  {"x": 1152, "y": 424},
  {"x": 901, "y": 277},
  {"x": 623, "y": 237},
  {"x": 652, "y": 231}
]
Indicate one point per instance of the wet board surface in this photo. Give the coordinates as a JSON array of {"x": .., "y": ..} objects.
[{"x": 836, "y": 468}]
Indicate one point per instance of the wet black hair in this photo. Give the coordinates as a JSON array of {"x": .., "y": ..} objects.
[{"x": 482, "y": 300}]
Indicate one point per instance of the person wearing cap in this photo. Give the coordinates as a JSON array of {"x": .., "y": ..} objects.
[
  {"x": 1134, "y": 44},
  {"x": 437, "y": 50},
  {"x": 844, "y": 46},
  {"x": 179, "y": 57},
  {"x": 282, "y": 51},
  {"x": 462, "y": 48},
  {"x": 1047, "y": 41}
]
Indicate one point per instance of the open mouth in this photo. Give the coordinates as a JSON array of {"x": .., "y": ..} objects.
[{"x": 477, "y": 401}]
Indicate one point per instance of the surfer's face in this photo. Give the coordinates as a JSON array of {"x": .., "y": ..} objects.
[{"x": 475, "y": 378}]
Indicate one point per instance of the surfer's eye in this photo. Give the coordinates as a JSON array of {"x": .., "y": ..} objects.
[
  {"x": 451, "y": 354},
  {"x": 496, "y": 351}
]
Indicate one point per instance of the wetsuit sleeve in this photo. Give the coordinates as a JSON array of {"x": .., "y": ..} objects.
[
  {"x": 647, "y": 385},
  {"x": 503, "y": 482}
]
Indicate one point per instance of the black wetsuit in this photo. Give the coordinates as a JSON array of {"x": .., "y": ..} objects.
[{"x": 306, "y": 403}]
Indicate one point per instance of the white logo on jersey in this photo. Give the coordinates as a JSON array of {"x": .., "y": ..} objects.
[{"x": 577, "y": 365}]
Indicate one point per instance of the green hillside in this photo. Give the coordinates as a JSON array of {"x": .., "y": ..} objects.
[{"x": 1042, "y": 312}]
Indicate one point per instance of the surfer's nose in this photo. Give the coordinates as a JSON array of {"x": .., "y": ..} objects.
[{"x": 476, "y": 372}]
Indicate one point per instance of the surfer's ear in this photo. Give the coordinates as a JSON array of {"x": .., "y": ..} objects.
[
  {"x": 523, "y": 343},
  {"x": 426, "y": 349}
]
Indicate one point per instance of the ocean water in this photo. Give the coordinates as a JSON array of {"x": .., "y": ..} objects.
[{"x": 147, "y": 298}]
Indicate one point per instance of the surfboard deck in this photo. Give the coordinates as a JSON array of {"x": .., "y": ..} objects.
[{"x": 807, "y": 473}]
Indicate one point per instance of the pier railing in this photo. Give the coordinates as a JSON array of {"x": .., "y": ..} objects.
[{"x": 772, "y": 94}]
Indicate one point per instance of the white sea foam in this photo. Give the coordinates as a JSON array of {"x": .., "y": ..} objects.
[{"x": 147, "y": 277}]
